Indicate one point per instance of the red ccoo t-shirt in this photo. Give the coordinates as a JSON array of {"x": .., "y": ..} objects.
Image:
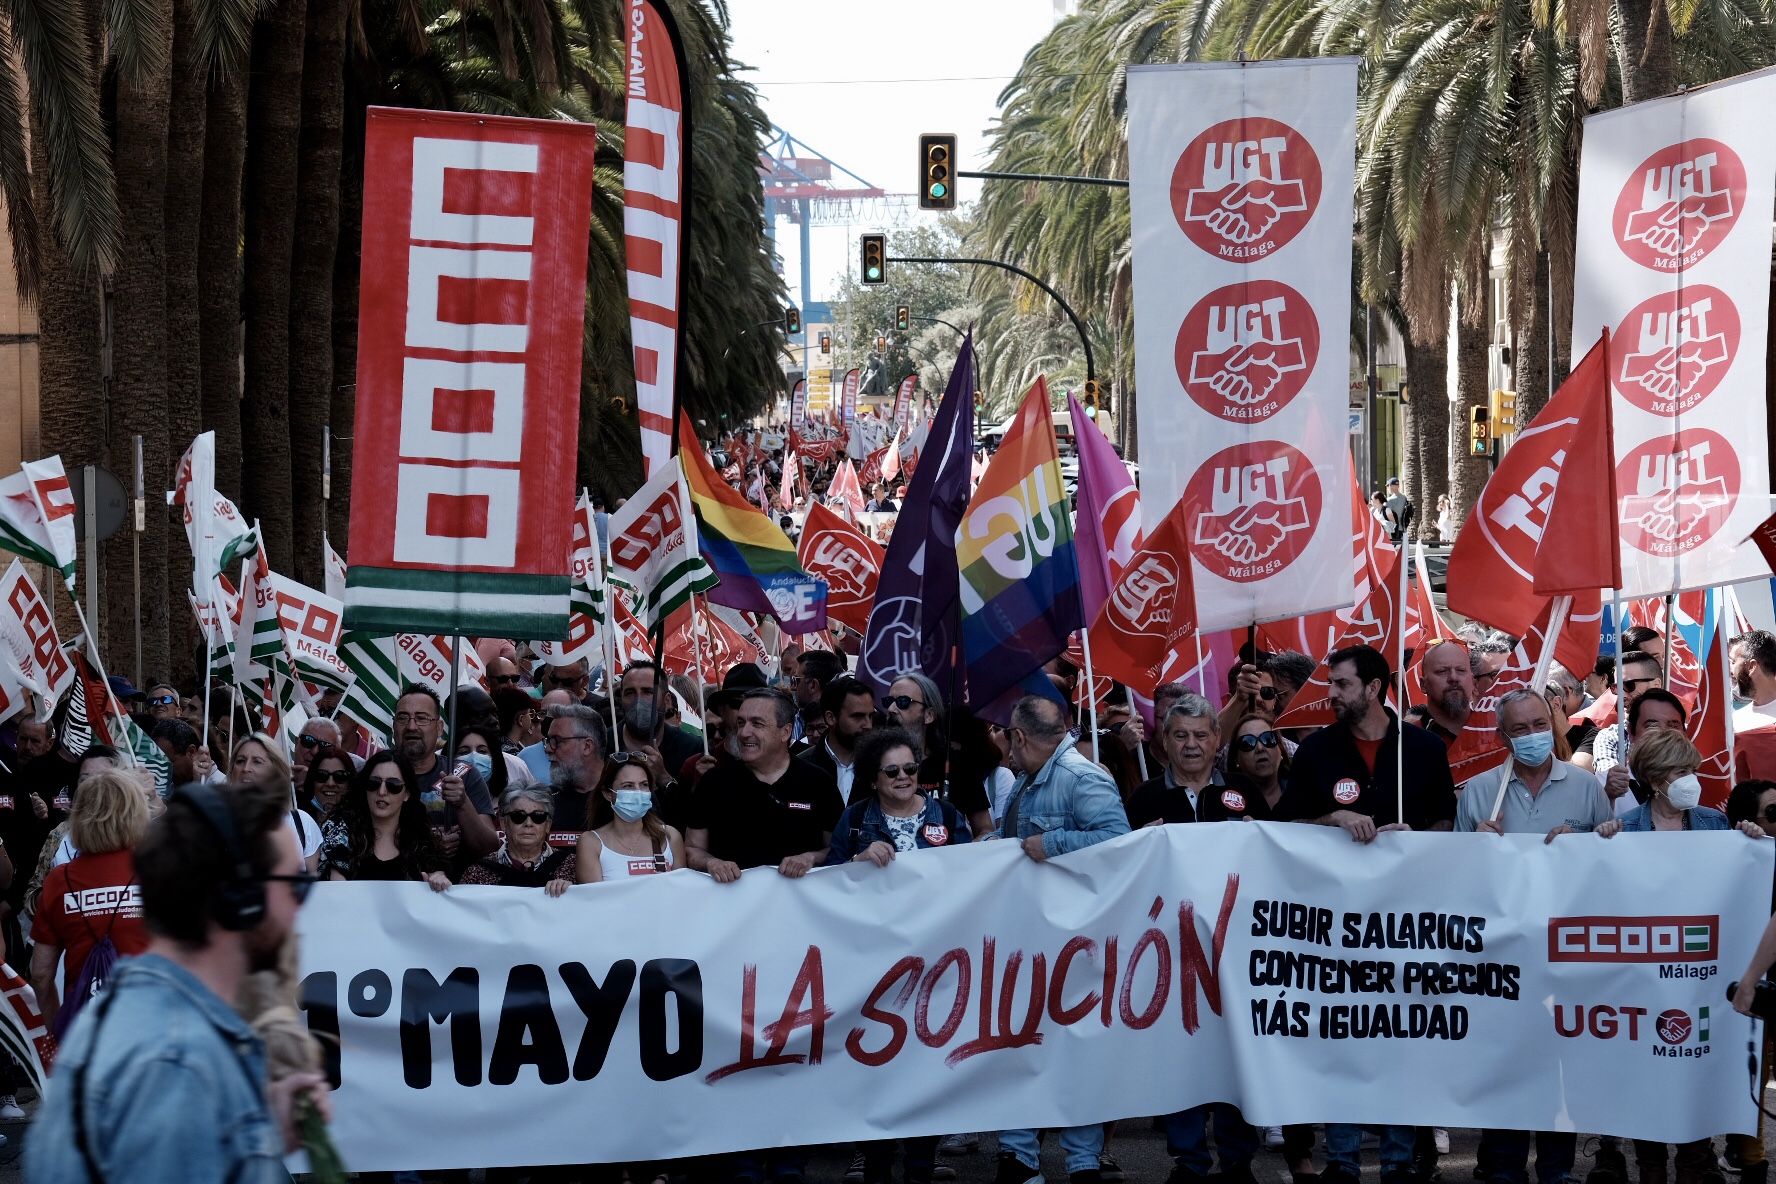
[{"x": 84, "y": 900}]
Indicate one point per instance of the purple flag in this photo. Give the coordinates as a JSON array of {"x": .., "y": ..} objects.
[
  {"x": 914, "y": 625},
  {"x": 1107, "y": 528}
]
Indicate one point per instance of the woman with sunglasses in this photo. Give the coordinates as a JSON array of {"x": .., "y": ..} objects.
[
  {"x": 627, "y": 837},
  {"x": 890, "y": 814},
  {"x": 1257, "y": 768},
  {"x": 325, "y": 784},
  {"x": 525, "y": 859},
  {"x": 380, "y": 830}
]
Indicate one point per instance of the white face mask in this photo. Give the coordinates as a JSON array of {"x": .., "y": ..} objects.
[{"x": 1684, "y": 793}]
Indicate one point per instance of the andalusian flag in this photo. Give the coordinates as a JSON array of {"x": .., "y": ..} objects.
[
  {"x": 1020, "y": 573},
  {"x": 653, "y": 549},
  {"x": 751, "y": 555},
  {"x": 37, "y": 516},
  {"x": 370, "y": 700}
]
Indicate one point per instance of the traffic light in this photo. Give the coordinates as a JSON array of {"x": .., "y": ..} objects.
[
  {"x": 792, "y": 320},
  {"x": 903, "y": 318},
  {"x": 875, "y": 258},
  {"x": 826, "y": 343},
  {"x": 1480, "y": 432},
  {"x": 1503, "y": 408},
  {"x": 937, "y": 165},
  {"x": 1091, "y": 397}
]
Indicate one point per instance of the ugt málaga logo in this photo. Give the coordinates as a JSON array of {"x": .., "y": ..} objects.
[
  {"x": 1672, "y": 350},
  {"x": 1679, "y": 204},
  {"x": 1245, "y": 350},
  {"x": 1244, "y": 187},
  {"x": 1677, "y": 492},
  {"x": 1254, "y": 507}
]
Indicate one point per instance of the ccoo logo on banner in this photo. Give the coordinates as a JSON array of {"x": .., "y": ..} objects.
[
  {"x": 1666, "y": 260},
  {"x": 1240, "y": 188}
]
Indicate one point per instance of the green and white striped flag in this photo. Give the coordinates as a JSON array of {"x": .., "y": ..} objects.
[
  {"x": 37, "y": 516},
  {"x": 370, "y": 700},
  {"x": 653, "y": 547}
]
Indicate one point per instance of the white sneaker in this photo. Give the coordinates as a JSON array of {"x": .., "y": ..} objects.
[
  {"x": 10, "y": 1110},
  {"x": 1273, "y": 1136},
  {"x": 1439, "y": 1136}
]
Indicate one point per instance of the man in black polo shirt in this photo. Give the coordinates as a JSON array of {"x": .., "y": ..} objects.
[
  {"x": 761, "y": 809},
  {"x": 1189, "y": 788},
  {"x": 1344, "y": 775}
]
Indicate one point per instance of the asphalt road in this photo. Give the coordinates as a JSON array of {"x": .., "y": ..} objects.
[{"x": 1137, "y": 1146}]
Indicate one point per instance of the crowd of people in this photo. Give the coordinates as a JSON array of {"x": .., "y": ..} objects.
[{"x": 561, "y": 775}]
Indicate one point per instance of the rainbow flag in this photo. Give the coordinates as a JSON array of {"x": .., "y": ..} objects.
[
  {"x": 1020, "y": 572},
  {"x": 753, "y": 559}
]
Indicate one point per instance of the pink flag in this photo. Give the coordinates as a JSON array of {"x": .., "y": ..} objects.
[
  {"x": 844, "y": 485},
  {"x": 786, "y": 491},
  {"x": 891, "y": 462},
  {"x": 1107, "y": 526}
]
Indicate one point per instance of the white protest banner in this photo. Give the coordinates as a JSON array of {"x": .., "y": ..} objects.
[
  {"x": 36, "y": 654},
  {"x": 1674, "y": 260},
  {"x": 1421, "y": 980},
  {"x": 310, "y": 621},
  {"x": 1240, "y": 181}
]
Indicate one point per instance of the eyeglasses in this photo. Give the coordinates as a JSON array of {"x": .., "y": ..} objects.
[
  {"x": 539, "y": 817},
  {"x": 1251, "y": 743},
  {"x": 1267, "y": 693},
  {"x": 388, "y": 785},
  {"x": 312, "y": 742},
  {"x": 550, "y": 741},
  {"x": 420, "y": 720},
  {"x": 900, "y": 770},
  {"x": 163, "y": 701},
  {"x": 339, "y": 775},
  {"x": 901, "y": 701},
  {"x": 1628, "y": 684},
  {"x": 299, "y": 884},
  {"x": 503, "y": 680}
]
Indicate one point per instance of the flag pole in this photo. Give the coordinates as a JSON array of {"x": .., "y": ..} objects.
[
  {"x": 455, "y": 677},
  {"x": 697, "y": 657},
  {"x": 1400, "y": 684},
  {"x": 92, "y": 645},
  {"x": 1091, "y": 688},
  {"x": 1202, "y": 684},
  {"x": 607, "y": 596}
]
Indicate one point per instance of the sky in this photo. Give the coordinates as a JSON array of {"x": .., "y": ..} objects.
[{"x": 858, "y": 82}]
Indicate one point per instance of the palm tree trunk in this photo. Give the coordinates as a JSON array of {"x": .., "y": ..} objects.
[
  {"x": 1530, "y": 362},
  {"x": 219, "y": 266},
  {"x": 1427, "y": 379},
  {"x": 139, "y": 350},
  {"x": 274, "y": 122},
  {"x": 1644, "y": 50},
  {"x": 311, "y": 274},
  {"x": 184, "y": 195},
  {"x": 1468, "y": 474},
  {"x": 345, "y": 314}
]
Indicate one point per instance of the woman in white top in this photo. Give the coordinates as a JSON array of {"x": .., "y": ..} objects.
[
  {"x": 1445, "y": 519},
  {"x": 627, "y": 838}
]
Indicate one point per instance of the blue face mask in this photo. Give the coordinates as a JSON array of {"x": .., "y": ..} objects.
[
  {"x": 632, "y": 805},
  {"x": 1533, "y": 750},
  {"x": 481, "y": 762}
]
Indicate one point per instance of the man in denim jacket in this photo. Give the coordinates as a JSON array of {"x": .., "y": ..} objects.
[
  {"x": 160, "y": 1078},
  {"x": 1062, "y": 803}
]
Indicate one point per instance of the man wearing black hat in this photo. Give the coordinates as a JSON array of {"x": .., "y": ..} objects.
[{"x": 740, "y": 678}]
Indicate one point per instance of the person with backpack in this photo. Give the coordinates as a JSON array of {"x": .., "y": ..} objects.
[{"x": 90, "y": 912}]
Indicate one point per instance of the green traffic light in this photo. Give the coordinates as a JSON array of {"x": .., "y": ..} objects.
[
  {"x": 875, "y": 273},
  {"x": 938, "y": 189}
]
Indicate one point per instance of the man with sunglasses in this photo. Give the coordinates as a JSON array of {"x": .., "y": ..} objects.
[
  {"x": 164, "y": 1080},
  {"x": 318, "y": 738},
  {"x": 502, "y": 672},
  {"x": 1640, "y": 672},
  {"x": 163, "y": 701}
]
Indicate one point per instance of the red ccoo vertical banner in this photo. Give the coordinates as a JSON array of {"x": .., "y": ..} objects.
[
  {"x": 656, "y": 181},
  {"x": 469, "y": 332}
]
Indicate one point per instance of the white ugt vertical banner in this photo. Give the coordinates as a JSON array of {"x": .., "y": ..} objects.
[
  {"x": 1674, "y": 259},
  {"x": 1240, "y": 183}
]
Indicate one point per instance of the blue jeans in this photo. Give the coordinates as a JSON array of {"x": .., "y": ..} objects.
[
  {"x": 1187, "y": 1138},
  {"x": 1503, "y": 1157},
  {"x": 1081, "y": 1144},
  {"x": 1344, "y": 1146}
]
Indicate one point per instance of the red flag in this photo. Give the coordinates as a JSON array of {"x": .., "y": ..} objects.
[
  {"x": 1317, "y": 634},
  {"x": 710, "y": 650},
  {"x": 1376, "y": 625},
  {"x": 1491, "y": 569},
  {"x": 1709, "y": 726},
  {"x": 1580, "y": 551},
  {"x": 872, "y": 466},
  {"x": 1152, "y": 606},
  {"x": 847, "y": 560},
  {"x": 844, "y": 486},
  {"x": 1765, "y": 538}
]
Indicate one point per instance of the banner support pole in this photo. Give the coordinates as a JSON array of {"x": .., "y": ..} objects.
[
  {"x": 1091, "y": 690},
  {"x": 1202, "y": 683},
  {"x": 1399, "y": 676},
  {"x": 455, "y": 677},
  {"x": 697, "y": 657}
]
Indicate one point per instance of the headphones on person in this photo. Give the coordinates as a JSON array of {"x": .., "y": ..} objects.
[{"x": 240, "y": 899}]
